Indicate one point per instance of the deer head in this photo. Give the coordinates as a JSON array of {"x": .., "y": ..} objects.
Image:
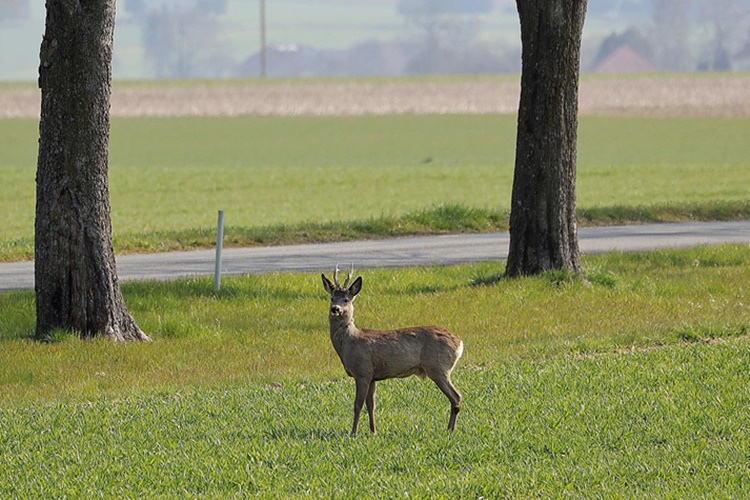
[{"x": 342, "y": 297}]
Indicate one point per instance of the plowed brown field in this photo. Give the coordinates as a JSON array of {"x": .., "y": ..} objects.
[{"x": 680, "y": 95}]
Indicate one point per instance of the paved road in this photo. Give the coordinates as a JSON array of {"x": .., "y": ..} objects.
[{"x": 396, "y": 252}]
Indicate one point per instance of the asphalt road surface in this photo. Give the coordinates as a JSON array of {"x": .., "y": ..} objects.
[{"x": 397, "y": 252}]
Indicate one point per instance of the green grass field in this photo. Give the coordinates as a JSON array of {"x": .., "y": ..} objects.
[
  {"x": 634, "y": 385},
  {"x": 169, "y": 177},
  {"x": 631, "y": 386},
  {"x": 665, "y": 424}
]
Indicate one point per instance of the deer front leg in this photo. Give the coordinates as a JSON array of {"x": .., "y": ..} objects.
[
  {"x": 363, "y": 386},
  {"x": 370, "y": 401}
]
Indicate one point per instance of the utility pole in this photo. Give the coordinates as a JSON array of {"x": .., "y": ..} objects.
[{"x": 263, "y": 51}]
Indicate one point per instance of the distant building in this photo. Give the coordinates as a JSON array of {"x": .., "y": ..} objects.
[
  {"x": 285, "y": 60},
  {"x": 368, "y": 58},
  {"x": 625, "y": 59}
]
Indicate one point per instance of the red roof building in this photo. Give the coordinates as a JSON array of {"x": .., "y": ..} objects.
[{"x": 625, "y": 59}]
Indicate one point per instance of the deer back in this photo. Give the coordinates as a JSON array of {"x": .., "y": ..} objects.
[{"x": 399, "y": 353}]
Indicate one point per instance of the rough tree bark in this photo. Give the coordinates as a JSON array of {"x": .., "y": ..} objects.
[
  {"x": 75, "y": 274},
  {"x": 543, "y": 234}
]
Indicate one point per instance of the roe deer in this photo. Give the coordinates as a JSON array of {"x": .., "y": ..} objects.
[{"x": 372, "y": 355}]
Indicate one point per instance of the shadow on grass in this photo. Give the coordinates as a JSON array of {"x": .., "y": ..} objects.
[
  {"x": 704, "y": 332},
  {"x": 292, "y": 432},
  {"x": 555, "y": 278}
]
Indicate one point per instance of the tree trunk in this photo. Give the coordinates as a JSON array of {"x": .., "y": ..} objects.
[
  {"x": 543, "y": 233},
  {"x": 75, "y": 274}
]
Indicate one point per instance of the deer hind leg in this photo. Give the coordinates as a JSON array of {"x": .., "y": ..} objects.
[
  {"x": 363, "y": 387},
  {"x": 443, "y": 381},
  {"x": 370, "y": 402}
]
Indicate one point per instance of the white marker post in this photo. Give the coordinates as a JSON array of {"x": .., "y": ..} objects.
[{"x": 219, "y": 244}]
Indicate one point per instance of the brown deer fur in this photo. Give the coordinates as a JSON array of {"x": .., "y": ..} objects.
[{"x": 372, "y": 355}]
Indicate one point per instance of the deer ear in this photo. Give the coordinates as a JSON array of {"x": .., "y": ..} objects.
[
  {"x": 355, "y": 287},
  {"x": 327, "y": 284}
]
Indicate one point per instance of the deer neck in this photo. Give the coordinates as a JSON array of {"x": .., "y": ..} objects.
[{"x": 342, "y": 328}]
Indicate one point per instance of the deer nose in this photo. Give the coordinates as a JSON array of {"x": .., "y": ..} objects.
[{"x": 336, "y": 310}]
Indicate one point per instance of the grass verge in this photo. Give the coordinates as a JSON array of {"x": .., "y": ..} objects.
[
  {"x": 269, "y": 327},
  {"x": 442, "y": 219}
]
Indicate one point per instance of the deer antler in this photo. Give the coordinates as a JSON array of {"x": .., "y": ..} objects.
[
  {"x": 349, "y": 276},
  {"x": 336, "y": 277}
]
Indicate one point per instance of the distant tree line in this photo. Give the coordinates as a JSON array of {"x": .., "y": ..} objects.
[
  {"x": 187, "y": 39},
  {"x": 449, "y": 42},
  {"x": 722, "y": 26},
  {"x": 182, "y": 40}
]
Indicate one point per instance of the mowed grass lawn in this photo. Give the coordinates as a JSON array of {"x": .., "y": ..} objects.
[
  {"x": 170, "y": 176},
  {"x": 634, "y": 385}
]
